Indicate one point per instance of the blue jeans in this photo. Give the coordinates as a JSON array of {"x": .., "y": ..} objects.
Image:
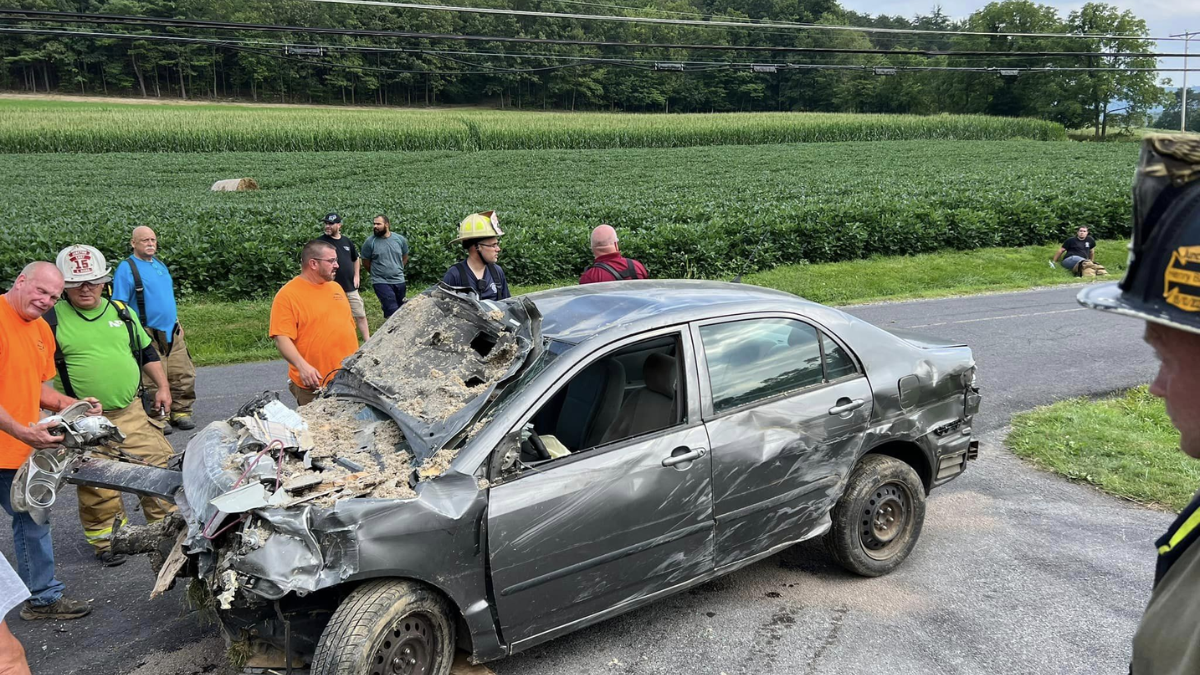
[
  {"x": 391, "y": 296},
  {"x": 35, "y": 550},
  {"x": 1070, "y": 262}
]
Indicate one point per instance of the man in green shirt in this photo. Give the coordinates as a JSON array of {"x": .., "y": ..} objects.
[
  {"x": 385, "y": 255},
  {"x": 102, "y": 352}
]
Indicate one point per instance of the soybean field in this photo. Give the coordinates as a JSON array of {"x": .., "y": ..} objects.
[
  {"x": 34, "y": 126},
  {"x": 686, "y": 212}
]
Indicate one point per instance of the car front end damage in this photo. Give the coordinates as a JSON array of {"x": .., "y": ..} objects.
[{"x": 280, "y": 510}]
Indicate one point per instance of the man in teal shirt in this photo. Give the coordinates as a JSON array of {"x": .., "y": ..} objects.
[
  {"x": 155, "y": 305},
  {"x": 385, "y": 255},
  {"x": 102, "y": 352}
]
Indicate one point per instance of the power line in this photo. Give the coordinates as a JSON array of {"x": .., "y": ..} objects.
[
  {"x": 721, "y": 24},
  {"x": 679, "y": 66},
  {"x": 72, "y": 17}
]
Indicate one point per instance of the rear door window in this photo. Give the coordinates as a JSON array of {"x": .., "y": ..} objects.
[{"x": 757, "y": 359}]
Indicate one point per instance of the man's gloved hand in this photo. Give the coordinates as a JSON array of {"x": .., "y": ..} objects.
[{"x": 1052, "y": 265}]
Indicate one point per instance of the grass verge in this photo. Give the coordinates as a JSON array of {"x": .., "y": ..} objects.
[
  {"x": 221, "y": 332},
  {"x": 1124, "y": 446}
]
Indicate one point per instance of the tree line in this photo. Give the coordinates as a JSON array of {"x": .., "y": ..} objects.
[{"x": 403, "y": 71}]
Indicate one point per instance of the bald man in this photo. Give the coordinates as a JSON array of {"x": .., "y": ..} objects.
[
  {"x": 609, "y": 264},
  {"x": 27, "y": 361},
  {"x": 143, "y": 282}
]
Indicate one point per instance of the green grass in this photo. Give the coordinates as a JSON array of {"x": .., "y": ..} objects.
[
  {"x": 1124, "y": 446},
  {"x": 933, "y": 275},
  {"x": 233, "y": 332},
  {"x": 72, "y": 126}
]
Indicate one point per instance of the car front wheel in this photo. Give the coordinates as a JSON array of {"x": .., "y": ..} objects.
[
  {"x": 387, "y": 627},
  {"x": 878, "y": 519}
]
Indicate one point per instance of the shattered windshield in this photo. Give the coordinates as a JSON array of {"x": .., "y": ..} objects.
[{"x": 434, "y": 364}]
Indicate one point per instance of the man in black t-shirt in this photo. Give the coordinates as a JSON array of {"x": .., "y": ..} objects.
[
  {"x": 347, "y": 274},
  {"x": 1079, "y": 255}
]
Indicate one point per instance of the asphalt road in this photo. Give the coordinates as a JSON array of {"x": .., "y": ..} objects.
[{"x": 1017, "y": 571}]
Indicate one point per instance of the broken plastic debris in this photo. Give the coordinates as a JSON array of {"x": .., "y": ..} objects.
[{"x": 247, "y": 498}]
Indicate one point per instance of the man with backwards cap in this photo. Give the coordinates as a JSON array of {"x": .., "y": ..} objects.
[
  {"x": 480, "y": 235},
  {"x": 609, "y": 264},
  {"x": 1162, "y": 287}
]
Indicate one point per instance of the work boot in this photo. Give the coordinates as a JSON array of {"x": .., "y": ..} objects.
[
  {"x": 110, "y": 559},
  {"x": 62, "y": 609},
  {"x": 183, "y": 421},
  {"x": 167, "y": 429}
]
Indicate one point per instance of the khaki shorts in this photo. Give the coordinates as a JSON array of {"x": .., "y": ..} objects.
[{"x": 357, "y": 309}]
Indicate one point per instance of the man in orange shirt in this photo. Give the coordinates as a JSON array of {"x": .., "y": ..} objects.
[
  {"x": 311, "y": 322},
  {"x": 27, "y": 362}
]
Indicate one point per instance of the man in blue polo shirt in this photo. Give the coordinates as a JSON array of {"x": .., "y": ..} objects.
[{"x": 142, "y": 281}]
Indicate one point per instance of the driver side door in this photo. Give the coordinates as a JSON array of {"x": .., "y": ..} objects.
[{"x": 584, "y": 536}]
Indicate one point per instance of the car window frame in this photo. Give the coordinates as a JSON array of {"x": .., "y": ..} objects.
[
  {"x": 708, "y": 410},
  {"x": 687, "y": 376}
]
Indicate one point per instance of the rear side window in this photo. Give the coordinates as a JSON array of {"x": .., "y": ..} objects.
[
  {"x": 760, "y": 358},
  {"x": 838, "y": 363}
]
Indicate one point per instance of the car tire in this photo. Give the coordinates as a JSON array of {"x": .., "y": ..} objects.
[
  {"x": 878, "y": 519},
  {"x": 382, "y": 621}
]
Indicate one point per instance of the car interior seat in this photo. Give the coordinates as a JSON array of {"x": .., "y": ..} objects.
[
  {"x": 651, "y": 408},
  {"x": 592, "y": 401}
]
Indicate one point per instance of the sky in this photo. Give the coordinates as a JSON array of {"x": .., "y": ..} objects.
[{"x": 1163, "y": 17}]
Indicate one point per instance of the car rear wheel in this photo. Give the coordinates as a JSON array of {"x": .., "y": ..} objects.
[
  {"x": 878, "y": 519},
  {"x": 387, "y": 627}
]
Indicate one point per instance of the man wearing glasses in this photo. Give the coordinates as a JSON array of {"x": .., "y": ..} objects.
[
  {"x": 480, "y": 236},
  {"x": 103, "y": 352},
  {"x": 385, "y": 255},
  {"x": 311, "y": 322}
]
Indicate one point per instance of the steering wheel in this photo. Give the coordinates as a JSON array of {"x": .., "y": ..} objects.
[{"x": 538, "y": 446}]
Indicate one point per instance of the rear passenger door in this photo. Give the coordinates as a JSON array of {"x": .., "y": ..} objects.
[{"x": 785, "y": 406}]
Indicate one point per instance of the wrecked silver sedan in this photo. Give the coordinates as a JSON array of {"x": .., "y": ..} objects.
[{"x": 488, "y": 476}]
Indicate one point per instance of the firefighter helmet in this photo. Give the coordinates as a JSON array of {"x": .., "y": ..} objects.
[
  {"x": 82, "y": 264},
  {"x": 479, "y": 226},
  {"x": 1162, "y": 284}
]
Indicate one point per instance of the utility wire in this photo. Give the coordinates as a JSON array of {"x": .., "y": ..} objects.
[
  {"x": 679, "y": 66},
  {"x": 720, "y": 24},
  {"x": 72, "y": 17}
]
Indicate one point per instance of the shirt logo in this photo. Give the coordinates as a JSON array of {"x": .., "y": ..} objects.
[{"x": 114, "y": 324}]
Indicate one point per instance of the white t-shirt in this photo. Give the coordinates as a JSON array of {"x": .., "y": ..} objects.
[{"x": 12, "y": 589}]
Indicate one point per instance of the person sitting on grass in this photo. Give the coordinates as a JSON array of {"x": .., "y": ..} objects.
[{"x": 1080, "y": 258}]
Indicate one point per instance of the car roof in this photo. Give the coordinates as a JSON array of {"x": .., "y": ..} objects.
[{"x": 575, "y": 313}]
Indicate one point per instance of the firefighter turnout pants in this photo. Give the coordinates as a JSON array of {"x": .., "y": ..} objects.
[
  {"x": 100, "y": 508},
  {"x": 181, "y": 373}
]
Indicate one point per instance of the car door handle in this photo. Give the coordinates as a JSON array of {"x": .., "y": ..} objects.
[
  {"x": 841, "y": 408},
  {"x": 686, "y": 456}
]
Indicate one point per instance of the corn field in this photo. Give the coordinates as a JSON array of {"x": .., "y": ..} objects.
[{"x": 38, "y": 127}]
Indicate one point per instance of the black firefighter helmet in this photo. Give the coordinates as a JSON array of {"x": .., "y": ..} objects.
[{"x": 1163, "y": 281}]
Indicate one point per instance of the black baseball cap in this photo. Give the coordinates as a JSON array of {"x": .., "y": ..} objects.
[{"x": 331, "y": 218}]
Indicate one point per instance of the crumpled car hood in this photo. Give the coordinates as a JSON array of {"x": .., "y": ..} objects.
[{"x": 435, "y": 363}]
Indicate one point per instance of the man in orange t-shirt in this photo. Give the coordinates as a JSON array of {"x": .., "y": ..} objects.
[
  {"x": 27, "y": 362},
  {"x": 311, "y": 322}
]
